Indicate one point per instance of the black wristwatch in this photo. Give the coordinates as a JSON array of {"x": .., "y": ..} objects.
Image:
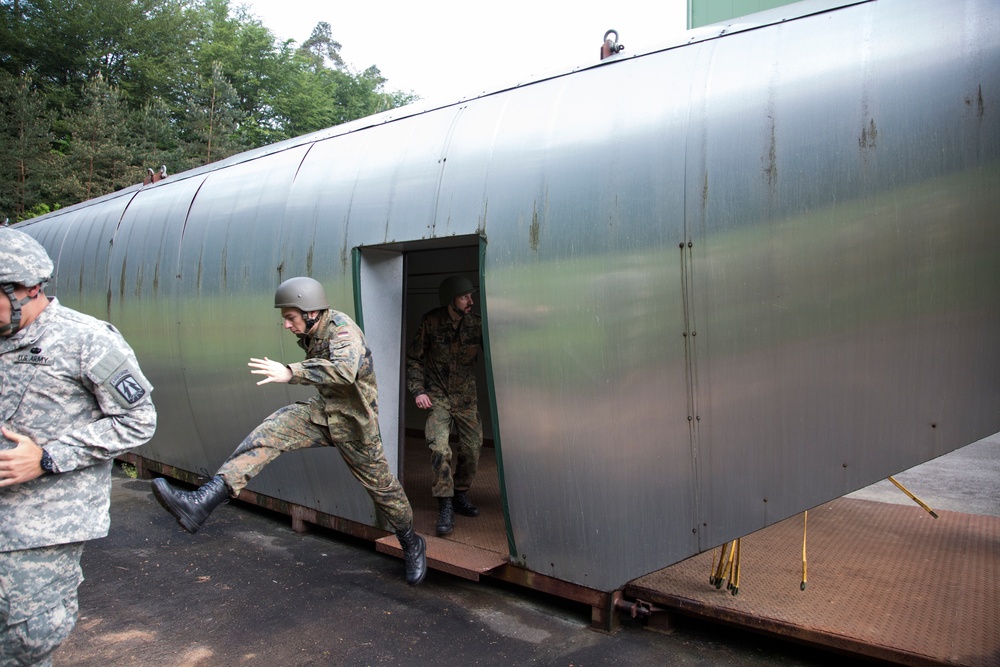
[{"x": 46, "y": 462}]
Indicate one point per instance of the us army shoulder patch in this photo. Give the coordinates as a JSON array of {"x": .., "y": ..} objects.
[{"x": 127, "y": 386}]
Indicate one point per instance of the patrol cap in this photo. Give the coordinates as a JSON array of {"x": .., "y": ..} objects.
[
  {"x": 23, "y": 260},
  {"x": 301, "y": 292},
  {"x": 453, "y": 287}
]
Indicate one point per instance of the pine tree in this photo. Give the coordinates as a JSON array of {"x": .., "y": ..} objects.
[
  {"x": 25, "y": 140},
  {"x": 98, "y": 157}
]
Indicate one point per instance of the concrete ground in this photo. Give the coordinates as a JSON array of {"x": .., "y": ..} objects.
[
  {"x": 247, "y": 590},
  {"x": 966, "y": 480}
]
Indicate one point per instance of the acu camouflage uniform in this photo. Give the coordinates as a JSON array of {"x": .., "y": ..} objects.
[
  {"x": 72, "y": 384},
  {"x": 345, "y": 414},
  {"x": 439, "y": 363}
]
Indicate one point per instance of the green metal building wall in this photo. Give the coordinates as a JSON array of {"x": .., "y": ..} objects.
[{"x": 703, "y": 12}]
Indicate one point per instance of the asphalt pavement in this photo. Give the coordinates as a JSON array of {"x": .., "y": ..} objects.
[{"x": 247, "y": 590}]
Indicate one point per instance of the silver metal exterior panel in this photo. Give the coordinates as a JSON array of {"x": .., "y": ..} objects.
[
  {"x": 585, "y": 219},
  {"x": 381, "y": 273},
  {"x": 83, "y": 250},
  {"x": 231, "y": 260},
  {"x": 145, "y": 297},
  {"x": 847, "y": 288},
  {"x": 725, "y": 282}
]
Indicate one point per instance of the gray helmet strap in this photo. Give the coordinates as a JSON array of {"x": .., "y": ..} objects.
[{"x": 15, "y": 310}]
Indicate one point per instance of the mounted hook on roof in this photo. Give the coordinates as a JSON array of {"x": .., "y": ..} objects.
[
  {"x": 611, "y": 46},
  {"x": 153, "y": 177}
]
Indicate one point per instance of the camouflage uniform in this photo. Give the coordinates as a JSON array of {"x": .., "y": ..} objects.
[
  {"x": 72, "y": 384},
  {"x": 439, "y": 363},
  {"x": 345, "y": 414}
]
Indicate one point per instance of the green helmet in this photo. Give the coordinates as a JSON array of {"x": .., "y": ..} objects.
[
  {"x": 301, "y": 292},
  {"x": 453, "y": 287},
  {"x": 23, "y": 260}
]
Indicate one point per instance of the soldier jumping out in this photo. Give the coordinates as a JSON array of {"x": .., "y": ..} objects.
[{"x": 344, "y": 415}]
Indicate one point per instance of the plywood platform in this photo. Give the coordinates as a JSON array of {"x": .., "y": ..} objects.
[
  {"x": 884, "y": 581},
  {"x": 455, "y": 558},
  {"x": 477, "y": 544}
]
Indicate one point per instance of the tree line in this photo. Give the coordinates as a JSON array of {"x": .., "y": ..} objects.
[{"x": 93, "y": 93}]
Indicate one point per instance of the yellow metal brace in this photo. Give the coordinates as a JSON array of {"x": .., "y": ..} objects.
[
  {"x": 913, "y": 497},
  {"x": 805, "y": 519}
]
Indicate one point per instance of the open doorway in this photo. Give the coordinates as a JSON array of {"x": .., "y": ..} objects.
[{"x": 399, "y": 284}]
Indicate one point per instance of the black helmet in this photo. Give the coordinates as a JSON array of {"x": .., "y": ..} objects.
[
  {"x": 301, "y": 292},
  {"x": 453, "y": 287}
]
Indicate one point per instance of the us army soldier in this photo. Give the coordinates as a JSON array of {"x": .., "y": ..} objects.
[{"x": 72, "y": 398}]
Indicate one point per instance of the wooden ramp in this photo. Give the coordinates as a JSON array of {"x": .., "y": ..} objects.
[
  {"x": 478, "y": 544},
  {"x": 455, "y": 558}
]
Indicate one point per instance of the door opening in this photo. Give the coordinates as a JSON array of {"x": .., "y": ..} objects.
[{"x": 399, "y": 284}]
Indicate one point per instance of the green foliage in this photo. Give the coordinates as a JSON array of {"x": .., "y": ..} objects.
[
  {"x": 212, "y": 118},
  {"x": 97, "y": 155},
  {"x": 95, "y": 93},
  {"x": 25, "y": 142}
]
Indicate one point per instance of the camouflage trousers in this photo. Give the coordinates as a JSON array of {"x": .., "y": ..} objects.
[
  {"x": 289, "y": 429},
  {"x": 38, "y": 604},
  {"x": 447, "y": 478}
]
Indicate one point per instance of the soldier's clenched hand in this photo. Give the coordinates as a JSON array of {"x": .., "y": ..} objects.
[{"x": 273, "y": 371}]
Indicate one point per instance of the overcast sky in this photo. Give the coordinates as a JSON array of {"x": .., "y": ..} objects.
[{"x": 444, "y": 49}]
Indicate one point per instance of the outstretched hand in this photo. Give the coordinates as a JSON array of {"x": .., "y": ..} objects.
[{"x": 273, "y": 371}]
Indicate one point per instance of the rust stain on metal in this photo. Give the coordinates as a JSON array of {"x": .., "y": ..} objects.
[
  {"x": 772, "y": 158},
  {"x": 122, "y": 280},
  {"x": 224, "y": 264},
  {"x": 869, "y": 135},
  {"x": 534, "y": 229},
  {"x": 980, "y": 104}
]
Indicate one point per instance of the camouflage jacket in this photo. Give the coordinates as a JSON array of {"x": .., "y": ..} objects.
[
  {"x": 72, "y": 384},
  {"x": 339, "y": 363},
  {"x": 440, "y": 360}
]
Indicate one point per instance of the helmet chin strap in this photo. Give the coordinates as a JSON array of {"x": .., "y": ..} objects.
[
  {"x": 15, "y": 311},
  {"x": 310, "y": 321}
]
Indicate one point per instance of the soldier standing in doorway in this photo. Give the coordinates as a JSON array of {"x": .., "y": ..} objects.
[{"x": 441, "y": 376}]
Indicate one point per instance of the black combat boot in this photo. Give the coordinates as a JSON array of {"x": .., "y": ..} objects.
[
  {"x": 463, "y": 505},
  {"x": 191, "y": 508},
  {"x": 414, "y": 555},
  {"x": 446, "y": 516}
]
